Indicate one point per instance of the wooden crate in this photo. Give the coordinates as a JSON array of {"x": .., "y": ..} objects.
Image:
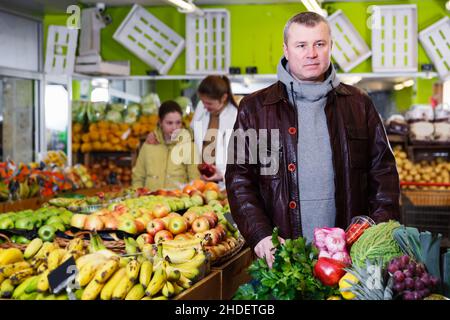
[
  {"x": 233, "y": 273},
  {"x": 206, "y": 289}
]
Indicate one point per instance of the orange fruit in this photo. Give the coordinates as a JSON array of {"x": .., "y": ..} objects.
[
  {"x": 189, "y": 189},
  {"x": 199, "y": 184},
  {"x": 212, "y": 186}
]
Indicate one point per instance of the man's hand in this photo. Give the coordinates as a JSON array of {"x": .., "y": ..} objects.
[
  {"x": 217, "y": 176},
  {"x": 151, "y": 138},
  {"x": 265, "y": 249}
]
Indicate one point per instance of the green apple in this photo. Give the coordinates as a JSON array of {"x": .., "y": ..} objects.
[
  {"x": 127, "y": 225},
  {"x": 47, "y": 233},
  {"x": 211, "y": 195},
  {"x": 24, "y": 224},
  {"x": 6, "y": 223},
  {"x": 54, "y": 219},
  {"x": 66, "y": 219},
  {"x": 22, "y": 240},
  {"x": 197, "y": 200},
  {"x": 58, "y": 226}
]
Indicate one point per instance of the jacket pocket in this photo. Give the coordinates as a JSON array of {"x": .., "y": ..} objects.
[{"x": 358, "y": 147}]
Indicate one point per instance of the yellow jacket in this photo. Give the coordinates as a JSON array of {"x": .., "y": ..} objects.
[{"x": 167, "y": 165}]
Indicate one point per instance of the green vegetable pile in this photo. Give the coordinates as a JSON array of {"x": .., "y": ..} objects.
[
  {"x": 291, "y": 276},
  {"x": 376, "y": 242}
]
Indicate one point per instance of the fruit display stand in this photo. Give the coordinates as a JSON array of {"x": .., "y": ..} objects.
[
  {"x": 209, "y": 288},
  {"x": 233, "y": 273},
  {"x": 37, "y": 202}
]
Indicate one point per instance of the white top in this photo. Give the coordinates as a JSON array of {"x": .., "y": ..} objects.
[{"x": 199, "y": 125}]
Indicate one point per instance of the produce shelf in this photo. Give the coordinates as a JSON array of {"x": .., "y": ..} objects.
[{"x": 206, "y": 289}]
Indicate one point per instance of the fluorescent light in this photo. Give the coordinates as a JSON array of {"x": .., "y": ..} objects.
[
  {"x": 351, "y": 80},
  {"x": 186, "y": 6},
  {"x": 399, "y": 86},
  {"x": 314, "y": 6},
  {"x": 408, "y": 83}
]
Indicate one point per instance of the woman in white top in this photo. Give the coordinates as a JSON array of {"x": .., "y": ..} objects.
[{"x": 213, "y": 123}]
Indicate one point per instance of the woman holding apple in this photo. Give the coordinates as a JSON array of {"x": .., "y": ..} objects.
[
  {"x": 213, "y": 124},
  {"x": 161, "y": 165}
]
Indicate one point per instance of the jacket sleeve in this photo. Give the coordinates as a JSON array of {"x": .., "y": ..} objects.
[
  {"x": 192, "y": 166},
  {"x": 242, "y": 184},
  {"x": 139, "y": 172},
  {"x": 383, "y": 179}
]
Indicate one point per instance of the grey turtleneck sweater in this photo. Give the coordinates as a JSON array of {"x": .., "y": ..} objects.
[{"x": 314, "y": 159}]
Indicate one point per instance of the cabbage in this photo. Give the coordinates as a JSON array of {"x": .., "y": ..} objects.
[
  {"x": 130, "y": 118},
  {"x": 150, "y": 104},
  {"x": 78, "y": 111},
  {"x": 119, "y": 107},
  {"x": 185, "y": 104},
  {"x": 114, "y": 116},
  {"x": 134, "y": 110}
]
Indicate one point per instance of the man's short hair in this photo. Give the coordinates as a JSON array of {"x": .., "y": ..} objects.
[{"x": 307, "y": 18}]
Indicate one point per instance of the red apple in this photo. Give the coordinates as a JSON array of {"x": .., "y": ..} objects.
[
  {"x": 78, "y": 220},
  {"x": 222, "y": 231},
  {"x": 206, "y": 169},
  {"x": 143, "y": 239},
  {"x": 174, "y": 214},
  {"x": 140, "y": 226},
  {"x": 200, "y": 224},
  {"x": 163, "y": 235},
  {"x": 214, "y": 237},
  {"x": 190, "y": 217},
  {"x": 183, "y": 236},
  {"x": 154, "y": 226},
  {"x": 111, "y": 223},
  {"x": 177, "y": 225},
  {"x": 93, "y": 223},
  {"x": 160, "y": 211},
  {"x": 212, "y": 218},
  {"x": 121, "y": 208}
]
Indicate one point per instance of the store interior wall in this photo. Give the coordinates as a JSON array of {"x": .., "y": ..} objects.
[{"x": 260, "y": 44}]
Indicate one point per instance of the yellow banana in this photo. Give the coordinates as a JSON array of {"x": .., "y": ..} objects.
[
  {"x": 32, "y": 286},
  {"x": 106, "y": 270},
  {"x": 112, "y": 283},
  {"x": 146, "y": 298},
  {"x": 92, "y": 290},
  {"x": 184, "y": 282},
  {"x": 157, "y": 282},
  {"x": 35, "y": 262},
  {"x": 136, "y": 293},
  {"x": 54, "y": 258},
  {"x": 42, "y": 267},
  {"x": 179, "y": 255},
  {"x": 6, "y": 289},
  {"x": 145, "y": 274},
  {"x": 178, "y": 289},
  {"x": 133, "y": 268},
  {"x": 76, "y": 244},
  {"x": 20, "y": 276},
  {"x": 122, "y": 289},
  {"x": 160, "y": 298},
  {"x": 87, "y": 272},
  {"x": 11, "y": 268},
  {"x": 82, "y": 261},
  {"x": 10, "y": 255},
  {"x": 173, "y": 274},
  {"x": 45, "y": 250},
  {"x": 196, "y": 262},
  {"x": 43, "y": 285},
  {"x": 168, "y": 290},
  {"x": 32, "y": 248},
  {"x": 179, "y": 244},
  {"x": 2, "y": 278},
  {"x": 20, "y": 289}
]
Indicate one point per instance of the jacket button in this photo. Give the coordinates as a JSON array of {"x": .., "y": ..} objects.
[
  {"x": 292, "y": 205},
  {"x": 291, "y": 167},
  {"x": 292, "y": 130}
]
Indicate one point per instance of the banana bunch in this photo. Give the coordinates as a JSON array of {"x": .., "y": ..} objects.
[{"x": 25, "y": 275}]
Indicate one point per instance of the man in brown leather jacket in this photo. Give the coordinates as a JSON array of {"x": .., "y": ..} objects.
[{"x": 332, "y": 156}]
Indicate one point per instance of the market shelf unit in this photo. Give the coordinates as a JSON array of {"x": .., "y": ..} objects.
[
  {"x": 428, "y": 152},
  {"x": 122, "y": 159}
]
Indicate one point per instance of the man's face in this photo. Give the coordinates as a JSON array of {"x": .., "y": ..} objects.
[{"x": 308, "y": 51}]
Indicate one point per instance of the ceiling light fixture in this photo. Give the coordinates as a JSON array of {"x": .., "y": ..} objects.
[
  {"x": 186, "y": 6},
  {"x": 398, "y": 86},
  {"x": 408, "y": 83},
  {"x": 314, "y": 6}
]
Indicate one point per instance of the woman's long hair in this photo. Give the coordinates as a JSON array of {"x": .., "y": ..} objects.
[{"x": 215, "y": 87}]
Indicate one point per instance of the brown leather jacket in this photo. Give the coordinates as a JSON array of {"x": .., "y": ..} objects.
[{"x": 366, "y": 177}]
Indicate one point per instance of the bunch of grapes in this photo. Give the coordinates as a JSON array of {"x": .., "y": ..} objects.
[{"x": 411, "y": 281}]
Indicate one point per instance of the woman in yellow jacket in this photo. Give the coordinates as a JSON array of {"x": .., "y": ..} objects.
[{"x": 172, "y": 162}]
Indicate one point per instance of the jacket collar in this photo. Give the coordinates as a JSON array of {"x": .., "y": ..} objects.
[{"x": 277, "y": 92}]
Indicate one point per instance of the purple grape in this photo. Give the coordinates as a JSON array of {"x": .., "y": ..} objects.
[
  {"x": 392, "y": 268},
  {"x": 408, "y": 274},
  {"x": 420, "y": 270},
  {"x": 411, "y": 267},
  {"x": 399, "y": 276},
  {"x": 416, "y": 295},
  {"x": 425, "y": 292},
  {"x": 434, "y": 281},
  {"x": 419, "y": 285},
  {"x": 408, "y": 295},
  {"x": 399, "y": 286},
  {"x": 409, "y": 283},
  {"x": 404, "y": 260},
  {"x": 426, "y": 279}
]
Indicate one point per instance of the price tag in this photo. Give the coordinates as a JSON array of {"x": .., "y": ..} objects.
[{"x": 63, "y": 277}]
